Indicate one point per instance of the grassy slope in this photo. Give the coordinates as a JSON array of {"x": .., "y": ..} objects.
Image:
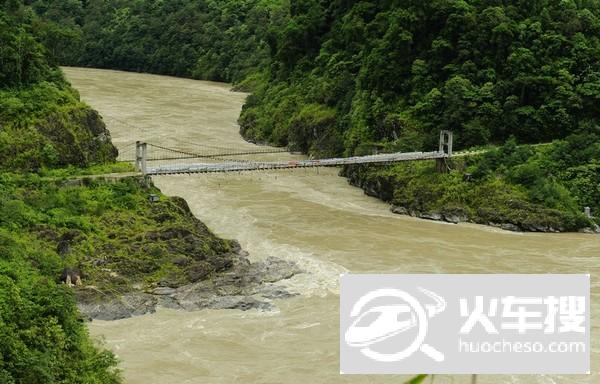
[{"x": 114, "y": 237}]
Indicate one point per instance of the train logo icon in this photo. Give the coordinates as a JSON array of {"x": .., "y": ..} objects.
[{"x": 375, "y": 324}]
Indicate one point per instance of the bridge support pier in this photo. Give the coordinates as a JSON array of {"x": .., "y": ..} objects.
[
  {"x": 441, "y": 166},
  {"x": 140, "y": 157}
]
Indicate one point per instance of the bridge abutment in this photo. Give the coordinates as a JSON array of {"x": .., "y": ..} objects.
[{"x": 441, "y": 166}]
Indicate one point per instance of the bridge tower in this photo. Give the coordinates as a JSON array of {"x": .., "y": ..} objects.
[
  {"x": 140, "y": 157},
  {"x": 441, "y": 165},
  {"x": 446, "y": 142}
]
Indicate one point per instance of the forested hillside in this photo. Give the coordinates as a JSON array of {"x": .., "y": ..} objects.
[
  {"x": 335, "y": 76},
  {"x": 353, "y": 77},
  {"x": 396, "y": 72},
  {"x": 42, "y": 124},
  {"x": 42, "y": 121},
  {"x": 216, "y": 40}
]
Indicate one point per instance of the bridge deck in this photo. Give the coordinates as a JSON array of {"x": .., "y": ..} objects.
[{"x": 236, "y": 166}]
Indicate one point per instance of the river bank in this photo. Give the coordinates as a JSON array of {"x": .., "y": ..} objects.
[{"x": 515, "y": 188}]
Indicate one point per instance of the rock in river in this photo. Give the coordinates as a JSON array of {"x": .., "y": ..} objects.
[{"x": 244, "y": 286}]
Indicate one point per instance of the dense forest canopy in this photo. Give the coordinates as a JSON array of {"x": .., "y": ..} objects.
[
  {"x": 348, "y": 76},
  {"x": 216, "y": 40},
  {"x": 399, "y": 71}
]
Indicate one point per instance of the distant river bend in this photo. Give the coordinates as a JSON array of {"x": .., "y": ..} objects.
[{"x": 313, "y": 217}]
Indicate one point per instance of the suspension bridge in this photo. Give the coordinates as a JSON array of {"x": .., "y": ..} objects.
[{"x": 213, "y": 159}]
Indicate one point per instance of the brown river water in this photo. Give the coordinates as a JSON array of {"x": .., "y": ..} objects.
[{"x": 312, "y": 217}]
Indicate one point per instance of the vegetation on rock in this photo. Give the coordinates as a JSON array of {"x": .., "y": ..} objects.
[
  {"x": 540, "y": 189},
  {"x": 42, "y": 122}
]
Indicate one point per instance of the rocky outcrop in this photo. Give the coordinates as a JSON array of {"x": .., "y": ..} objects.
[
  {"x": 454, "y": 216},
  {"x": 156, "y": 253},
  {"x": 244, "y": 286},
  {"x": 593, "y": 230}
]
